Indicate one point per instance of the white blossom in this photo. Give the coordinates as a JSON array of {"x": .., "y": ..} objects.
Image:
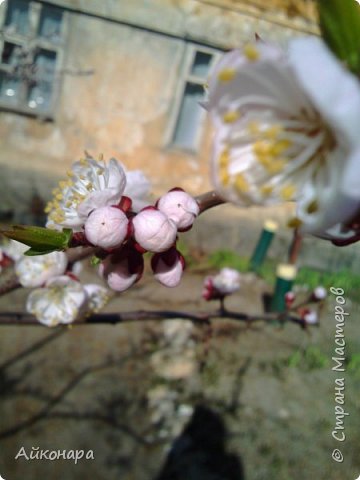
[
  {"x": 61, "y": 301},
  {"x": 91, "y": 184},
  {"x": 96, "y": 297},
  {"x": 13, "y": 249},
  {"x": 287, "y": 128},
  {"x": 137, "y": 188},
  {"x": 35, "y": 271}
]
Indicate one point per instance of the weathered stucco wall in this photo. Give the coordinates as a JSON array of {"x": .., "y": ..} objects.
[{"x": 136, "y": 51}]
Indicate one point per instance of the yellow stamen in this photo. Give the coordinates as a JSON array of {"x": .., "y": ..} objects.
[
  {"x": 277, "y": 148},
  {"x": 224, "y": 158},
  {"x": 287, "y": 192},
  {"x": 266, "y": 190},
  {"x": 231, "y": 116},
  {"x": 226, "y": 74},
  {"x": 83, "y": 162},
  {"x": 253, "y": 128},
  {"x": 70, "y": 173},
  {"x": 262, "y": 148},
  {"x": 224, "y": 177},
  {"x": 251, "y": 52},
  {"x": 241, "y": 184},
  {"x": 273, "y": 132},
  {"x": 294, "y": 222},
  {"x": 275, "y": 166}
]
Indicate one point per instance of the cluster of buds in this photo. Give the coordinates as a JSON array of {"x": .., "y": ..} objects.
[
  {"x": 225, "y": 283},
  {"x": 125, "y": 237},
  {"x": 100, "y": 203},
  {"x": 307, "y": 315}
]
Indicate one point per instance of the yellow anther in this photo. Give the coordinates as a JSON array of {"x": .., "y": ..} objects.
[
  {"x": 312, "y": 207},
  {"x": 55, "y": 191},
  {"x": 100, "y": 171},
  {"x": 265, "y": 161},
  {"x": 266, "y": 190},
  {"x": 273, "y": 132},
  {"x": 261, "y": 148},
  {"x": 47, "y": 209},
  {"x": 294, "y": 222},
  {"x": 68, "y": 203},
  {"x": 82, "y": 177},
  {"x": 276, "y": 166},
  {"x": 70, "y": 173},
  {"x": 241, "y": 184},
  {"x": 83, "y": 162},
  {"x": 58, "y": 196},
  {"x": 224, "y": 177},
  {"x": 251, "y": 52},
  {"x": 224, "y": 158},
  {"x": 89, "y": 186},
  {"x": 63, "y": 183},
  {"x": 231, "y": 116},
  {"x": 277, "y": 148},
  {"x": 226, "y": 74},
  {"x": 287, "y": 192},
  {"x": 253, "y": 128}
]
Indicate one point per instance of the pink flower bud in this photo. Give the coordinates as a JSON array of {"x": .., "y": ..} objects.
[
  {"x": 310, "y": 317},
  {"x": 168, "y": 267},
  {"x": 289, "y": 298},
  {"x": 319, "y": 293},
  {"x": 226, "y": 282},
  {"x": 209, "y": 293},
  {"x": 180, "y": 207},
  {"x": 122, "y": 270},
  {"x": 106, "y": 227},
  {"x": 153, "y": 230}
]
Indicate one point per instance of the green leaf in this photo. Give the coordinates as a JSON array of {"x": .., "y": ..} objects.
[
  {"x": 40, "y": 240},
  {"x": 340, "y": 28}
]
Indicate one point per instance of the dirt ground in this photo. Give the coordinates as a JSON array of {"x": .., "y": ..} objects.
[{"x": 258, "y": 402}]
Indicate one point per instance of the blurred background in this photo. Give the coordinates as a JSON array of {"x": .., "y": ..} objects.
[{"x": 124, "y": 78}]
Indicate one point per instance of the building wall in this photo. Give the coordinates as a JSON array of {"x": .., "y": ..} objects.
[{"x": 136, "y": 50}]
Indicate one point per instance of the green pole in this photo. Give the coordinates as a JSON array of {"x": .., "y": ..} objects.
[
  {"x": 285, "y": 275},
  {"x": 263, "y": 245}
]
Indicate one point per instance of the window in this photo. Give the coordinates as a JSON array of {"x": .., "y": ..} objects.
[
  {"x": 31, "y": 43},
  {"x": 188, "y": 115}
]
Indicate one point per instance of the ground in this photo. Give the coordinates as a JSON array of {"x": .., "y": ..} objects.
[{"x": 128, "y": 391}]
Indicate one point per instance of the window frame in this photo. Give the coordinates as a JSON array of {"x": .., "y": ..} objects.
[
  {"x": 35, "y": 9},
  {"x": 186, "y": 77}
]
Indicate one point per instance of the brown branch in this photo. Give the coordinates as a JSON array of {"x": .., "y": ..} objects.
[
  {"x": 200, "y": 318},
  {"x": 209, "y": 200},
  {"x": 295, "y": 247}
]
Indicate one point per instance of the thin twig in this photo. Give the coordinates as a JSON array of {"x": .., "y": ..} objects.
[{"x": 201, "y": 318}]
